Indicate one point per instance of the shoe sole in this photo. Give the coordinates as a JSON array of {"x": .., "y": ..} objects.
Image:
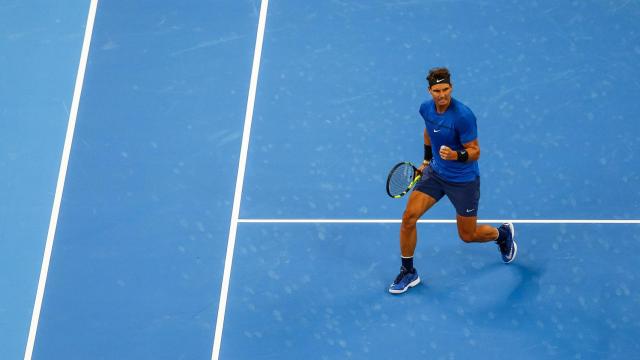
[
  {"x": 515, "y": 245},
  {"x": 410, "y": 285}
]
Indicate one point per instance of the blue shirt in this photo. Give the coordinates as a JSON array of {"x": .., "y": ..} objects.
[{"x": 456, "y": 126}]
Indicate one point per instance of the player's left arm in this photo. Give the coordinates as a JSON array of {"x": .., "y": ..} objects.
[{"x": 473, "y": 150}]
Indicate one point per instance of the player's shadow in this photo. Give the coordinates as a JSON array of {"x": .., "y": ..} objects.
[
  {"x": 489, "y": 285},
  {"x": 528, "y": 286}
]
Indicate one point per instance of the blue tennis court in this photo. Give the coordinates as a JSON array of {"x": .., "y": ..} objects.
[{"x": 224, "y": 165}]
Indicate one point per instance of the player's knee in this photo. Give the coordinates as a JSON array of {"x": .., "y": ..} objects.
[{"x": 409, "y": 219}]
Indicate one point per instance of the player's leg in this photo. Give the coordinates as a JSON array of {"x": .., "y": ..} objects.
[
  {"x": 417, "y": 205},
  {"x": 470, "y": 231},
  {"x": 504, "y": 236},
  {"x": 465, "y": 197},
  {"x": 425, "y": 194}
]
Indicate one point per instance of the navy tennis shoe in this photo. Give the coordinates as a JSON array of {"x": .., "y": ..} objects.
[
  {"x": 404, "y": 281},
  {"x": 508, "y": 246}
]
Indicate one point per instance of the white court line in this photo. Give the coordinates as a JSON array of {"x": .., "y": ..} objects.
[
  {"x": 244, "y": 148},
  {"x": 62, "y": 174},
  {"x": 435, "y": 221}
]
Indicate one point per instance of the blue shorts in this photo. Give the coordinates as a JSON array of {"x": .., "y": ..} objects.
[{"x": 464, "y": 196}]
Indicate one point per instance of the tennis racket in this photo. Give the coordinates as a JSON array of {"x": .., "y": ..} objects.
[{"x": 401, "y": 179}]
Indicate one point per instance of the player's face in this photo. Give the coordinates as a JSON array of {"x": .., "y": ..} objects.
[{"x": 441, "y": 94}]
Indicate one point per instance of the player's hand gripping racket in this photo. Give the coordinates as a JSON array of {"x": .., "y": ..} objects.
[{"x": 401, "y": 179}]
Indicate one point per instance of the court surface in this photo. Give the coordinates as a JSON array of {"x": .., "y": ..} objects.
[{"x": 223, "y": 202}]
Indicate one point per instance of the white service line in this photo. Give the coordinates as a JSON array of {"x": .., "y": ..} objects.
[
  {"x": 235, "y": 212},
  {"x": 436, "y": 221},
  {"x": 62, "y": 174}
]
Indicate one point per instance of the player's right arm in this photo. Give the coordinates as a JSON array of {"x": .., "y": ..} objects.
[{"x": 427, "y": 142}]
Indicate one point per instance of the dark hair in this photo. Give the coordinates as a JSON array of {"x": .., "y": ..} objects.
[{"x": 439, "y": 76}]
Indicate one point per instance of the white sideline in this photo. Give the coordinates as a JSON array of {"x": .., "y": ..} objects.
[
  {"x": 62, "y": 174},
  {"x": 235, "y": 212}
]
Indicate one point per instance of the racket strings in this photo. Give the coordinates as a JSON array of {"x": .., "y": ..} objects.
[{"x": 401, "y": 178}]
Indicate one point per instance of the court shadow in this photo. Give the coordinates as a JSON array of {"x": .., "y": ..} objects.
[
  {"x": 485, "y": 286},
  {"x": 528, "y": 285}
]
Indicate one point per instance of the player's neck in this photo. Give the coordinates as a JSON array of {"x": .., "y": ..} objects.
[{"x": 443, "y": 108}]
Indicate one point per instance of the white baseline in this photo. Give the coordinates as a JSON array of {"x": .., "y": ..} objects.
[{"x": 436, "y": 221}]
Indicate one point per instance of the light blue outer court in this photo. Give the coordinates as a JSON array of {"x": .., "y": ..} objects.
[{"x": 138, "y": 261}]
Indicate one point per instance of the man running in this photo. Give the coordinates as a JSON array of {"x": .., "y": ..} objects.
[{"x": 451, "y": 129}]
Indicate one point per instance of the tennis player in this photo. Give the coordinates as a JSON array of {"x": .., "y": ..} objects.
[{"x": 451, "y": 130}]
